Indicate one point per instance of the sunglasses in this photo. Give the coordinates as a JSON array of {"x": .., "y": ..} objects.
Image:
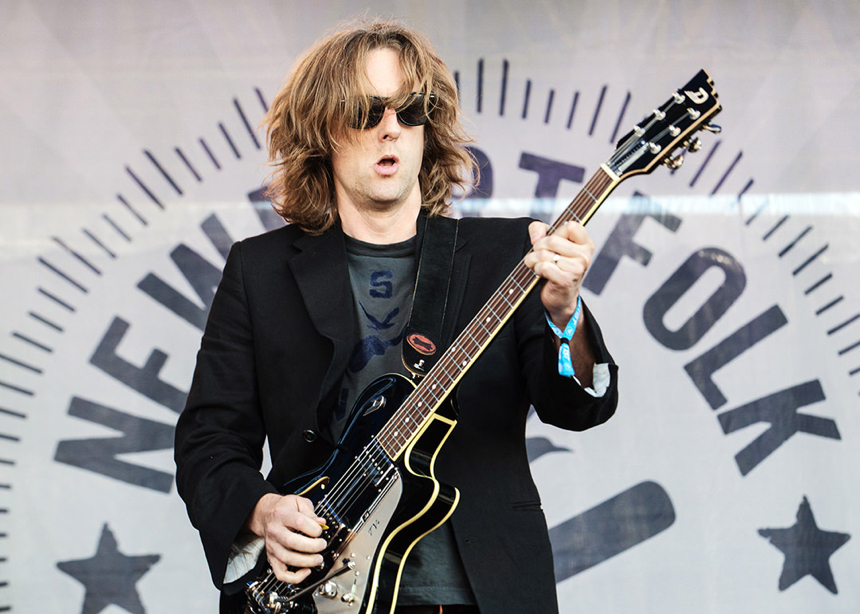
[{"x": 413, "y": 113}]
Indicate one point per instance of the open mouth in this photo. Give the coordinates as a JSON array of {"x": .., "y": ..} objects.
[{"x": 387, "y": 165}]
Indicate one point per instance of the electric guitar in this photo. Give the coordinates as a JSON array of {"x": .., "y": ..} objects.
[{"x": 377, "y": 492}]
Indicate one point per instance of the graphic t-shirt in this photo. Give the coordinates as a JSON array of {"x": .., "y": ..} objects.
[{"x": 383, "y": 283}]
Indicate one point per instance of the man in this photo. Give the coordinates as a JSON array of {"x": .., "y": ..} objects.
[{"x": 366, "y": 142}]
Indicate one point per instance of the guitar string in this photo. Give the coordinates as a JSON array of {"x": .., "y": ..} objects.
[{"x": 273, "y": 584}]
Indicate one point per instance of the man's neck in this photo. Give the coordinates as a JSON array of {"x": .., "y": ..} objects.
[{"x": 380, "y": 227}]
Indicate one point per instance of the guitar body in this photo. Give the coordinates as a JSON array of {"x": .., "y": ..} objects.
[{"x": 376, "y": 510}]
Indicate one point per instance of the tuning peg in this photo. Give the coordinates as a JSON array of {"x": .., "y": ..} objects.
[
  {"x": 674, "y": 163},
  {"x": 692, "y": 145},
  {"x": 712, "y": 127}
]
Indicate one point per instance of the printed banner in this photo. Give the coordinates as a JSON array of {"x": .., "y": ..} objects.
[{"x": 727, "y": 288}]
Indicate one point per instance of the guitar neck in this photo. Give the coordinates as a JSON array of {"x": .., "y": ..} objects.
[{"x": 407, "y": 421}]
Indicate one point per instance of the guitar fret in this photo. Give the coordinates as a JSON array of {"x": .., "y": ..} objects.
[
  {"x": 484, "y": 318},
  {"x": 469, "y": 332},
  {"x": 593, "y": 197}
]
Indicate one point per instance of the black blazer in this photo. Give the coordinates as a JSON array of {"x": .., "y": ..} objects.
[{"x": 278, "y": 340}]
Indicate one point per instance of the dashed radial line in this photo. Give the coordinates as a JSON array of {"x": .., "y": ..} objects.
[
  {"x": 144, "y": 187},
  {"x": 728, "y": 172},
  {"x": 229, "y": 140},
  {"x": 775, "y": 227},
  {"x": 99, "y": 243},
  {"x": 503, "y": 92},
  {"x": 116, "y": 227},
  {"x": 527, "y": 92},
  {"x": 209, "y": 153},
  {"x": 17, "y": 389},
  {"x": 811, "y": 259},
  {"x": 261, "y": 99},
  {"x": 188, "y": 164},
  {"x": 572, "y": 111},
  {"x": 844, "y": 324},
  {"x": 20, "y": 363},
  {"x": 620, "y": 121},
  {"x": 76, "y": 255},
  {"x": 793, "y": 243},
  {"x": 62, "y": 274},
  {"x": 165, "y": 175},
  {"x": 131, "y": 210},
  {"x": 5, "y": 411},
  {"x": 57, "y": 300},
  {"x": 245, "y": 123},
  {"x": 549, "y": 100},
  {"x": 705, "y": 163},
  {"x": 829, "y": 305},
  {"x": 32, "y": 342},
  {"x": 479, "y": 92},
  {"x": 46, "y": 321},
  {"x": 745, "y": 189},
  {"x": 597, "y": 109}
]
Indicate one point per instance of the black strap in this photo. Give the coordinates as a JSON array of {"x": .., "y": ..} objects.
[{"x": 422, "y": 342}]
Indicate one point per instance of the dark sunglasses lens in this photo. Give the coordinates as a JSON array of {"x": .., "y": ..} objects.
[
  {"x": 377, "y": 110},
  {"x": 374, "y": 114},
  {"x": 414, "y": 114}
]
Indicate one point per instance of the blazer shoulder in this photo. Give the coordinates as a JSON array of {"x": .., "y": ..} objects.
[
  {"x": 495, "y": 233},
  {"x": 284, "y": 236},
  {"x": 278, "y": 243},
  {"x": 498, "y": 224}
]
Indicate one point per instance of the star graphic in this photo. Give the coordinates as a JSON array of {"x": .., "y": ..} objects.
[
  {"x": 109, "y": 577},
  {"x": 807, "y": 549}
]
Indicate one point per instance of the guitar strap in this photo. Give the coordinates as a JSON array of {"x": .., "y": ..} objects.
[{"x": 422, "y": 340}]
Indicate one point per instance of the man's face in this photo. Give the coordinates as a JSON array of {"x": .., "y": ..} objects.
[{"x": 379, "y": 170}]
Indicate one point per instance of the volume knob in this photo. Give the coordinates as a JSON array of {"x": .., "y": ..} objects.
[{"x": 328, "y": 590}]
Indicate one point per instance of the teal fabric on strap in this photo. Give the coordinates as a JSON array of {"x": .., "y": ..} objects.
[{"x": 565, "y": 366}]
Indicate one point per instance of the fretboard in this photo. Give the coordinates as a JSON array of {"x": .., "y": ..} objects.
[{"x": 419, "y": 406}]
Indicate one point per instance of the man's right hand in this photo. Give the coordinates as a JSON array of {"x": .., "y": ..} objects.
[{"x": 292, "y": 533}]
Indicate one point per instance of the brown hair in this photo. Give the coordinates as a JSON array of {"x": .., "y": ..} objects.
[{"x": 328, "y": 85}]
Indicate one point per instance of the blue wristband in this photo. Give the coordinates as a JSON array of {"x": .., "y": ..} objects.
[{"x": 565, "y": 366}]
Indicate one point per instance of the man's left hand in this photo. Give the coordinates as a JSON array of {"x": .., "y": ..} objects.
[{"x": 562, "y": 260}]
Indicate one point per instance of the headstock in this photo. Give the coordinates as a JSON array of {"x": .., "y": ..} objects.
[{"x": 669, "y": 127}]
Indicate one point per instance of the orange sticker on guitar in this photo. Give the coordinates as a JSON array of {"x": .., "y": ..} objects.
[{"x": 422, "y": 344}]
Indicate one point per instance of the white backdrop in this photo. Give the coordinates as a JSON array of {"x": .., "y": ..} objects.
[{"x": 727, "y": 290}]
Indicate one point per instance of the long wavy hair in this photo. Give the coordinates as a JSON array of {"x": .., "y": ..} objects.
[{"x": 309, "y": 119}]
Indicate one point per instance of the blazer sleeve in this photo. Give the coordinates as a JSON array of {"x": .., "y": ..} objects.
[
  {"x": 559, "y": 400},
  {"x": 220, "y": 433}
]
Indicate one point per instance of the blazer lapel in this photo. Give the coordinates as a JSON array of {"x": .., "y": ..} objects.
[
  {"x": 322, "y": 276},
  {"x": 321, "y": 272}
]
